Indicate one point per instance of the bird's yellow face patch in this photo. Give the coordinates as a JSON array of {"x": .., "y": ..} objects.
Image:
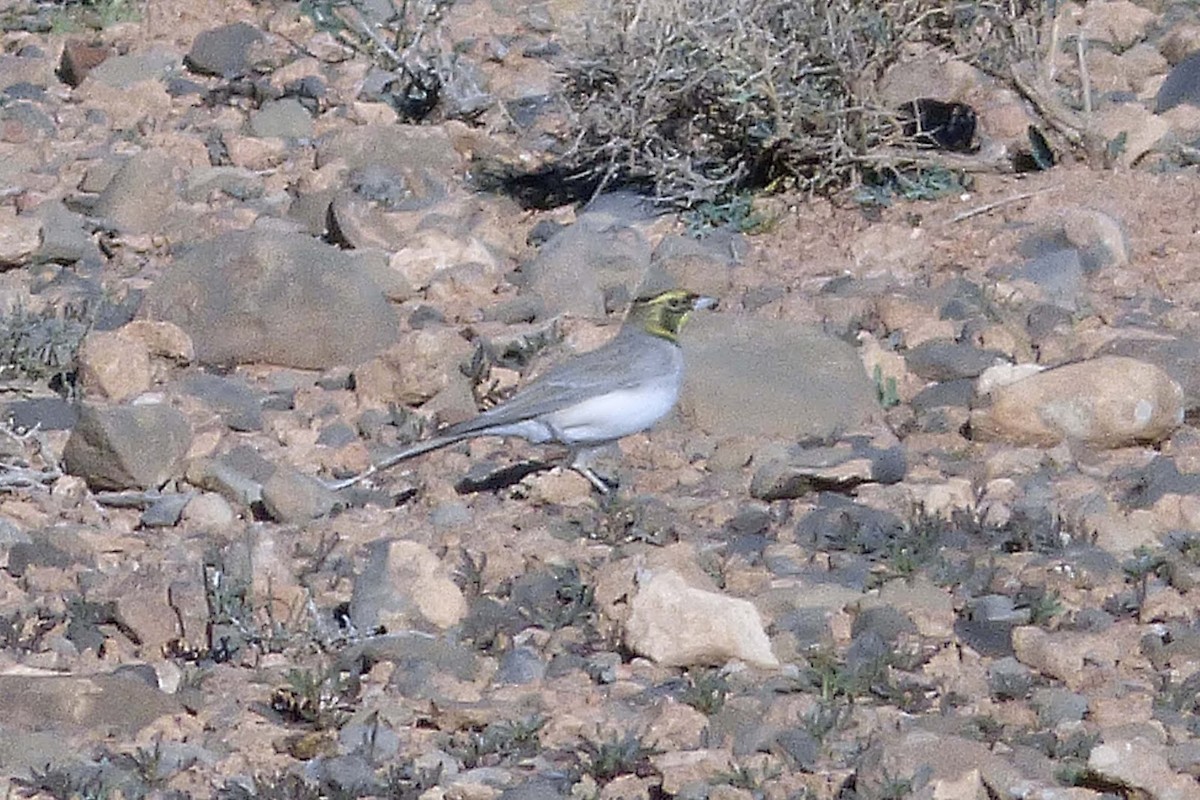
[{"x": 665, "y": 314}]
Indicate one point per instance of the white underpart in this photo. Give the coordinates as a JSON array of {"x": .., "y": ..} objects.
[{"x": 614, "y": 415}]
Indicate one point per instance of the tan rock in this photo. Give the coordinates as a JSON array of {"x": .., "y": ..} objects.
[
  {"x": 1180, "y": 42},
  {"x": 1138, "y": 128},
  {"x": 19, "y": 237},
  {"x": 162, "y": 339},
  {"x": 417, "y": 367},
  {"x": 403, "y": 584},
  {"x": 428, "y": 252},
  {"x": 560, "y": 488},
  {"x": 1118, "y": 22},
  {"x": 251, "y": 152},
  {"x": 1064, "y": 654},
  {"x": 114, "y": 365},
  {"x": 676, "y": 625},
  {"x": 930, "y": 607},
  {"x": 1105, "y": 402},
  {"x": 209, "y": 511},
  {"x": 119, "y": 705},
  {"x": 1095, "y": 231},
  {"x": 698, "y": 767},
  {"x": 1141, "y": 765}
]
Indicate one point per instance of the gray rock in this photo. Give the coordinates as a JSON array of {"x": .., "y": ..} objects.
[
  {"x": 165, "y": 511},
  {"x": 1101, "y": 239},
  {"x": 126, "y": 203},
  {"x": 49, "y": 547},
  {"x": 228, "y": 478},
  {"x": 107, "y": 705},
  {"x": 128, "y": 447},
  {"x": 28, "y": 117},
  {"x": 11, "y": 533},
  {"x": 1056, "y": 705},
  {"x": 1059, "y": 277},
  {"x": 422, "y": 661},
  {"x": 238, "y": 405},
  {"x": 290, "y": 496},
  {"x": 997, "y": 608},
  {"x": 285, "y": 118},
  {"x": 757, "y": 377},
  {"x": 574, "y": 270},
  {"x": 65, "y": 237},
  {"x": 1140, "y": 765},
  {"x": 121, "y": 72},
  {"x": 1009, "y": 679},
  {"x": 49, "y": 413},
  {"x": 941, "y": 360},
  {"x": 799, "y": 470},
  {"x": 520, "y": 666},
  {"x": 275, "y": 298},
  {"x": 237, "y": 182},
  {"x": 223, "y": 51},
  {"x": 986, "y": 637},
  {"x": 537, "y": 789},
  {"x": 950, "y": 394},
  {"x": 1181, "y": 86}
]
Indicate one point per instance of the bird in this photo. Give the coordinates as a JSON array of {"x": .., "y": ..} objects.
[{"x": 621, "y": 388}]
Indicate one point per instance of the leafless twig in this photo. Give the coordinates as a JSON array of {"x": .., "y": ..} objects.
[{"x": 986, "y": 207}]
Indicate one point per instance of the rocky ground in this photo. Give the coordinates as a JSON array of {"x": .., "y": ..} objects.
[{"x": 927, "y": 523}]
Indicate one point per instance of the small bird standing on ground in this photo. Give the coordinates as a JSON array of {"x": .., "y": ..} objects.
[{"x": 619, "y": 389}]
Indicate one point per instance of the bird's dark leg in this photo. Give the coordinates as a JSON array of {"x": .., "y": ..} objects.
[{"x": 581, "y": 463}]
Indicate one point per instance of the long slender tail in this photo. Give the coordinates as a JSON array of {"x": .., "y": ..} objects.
[{"x": 412, "y": 451}]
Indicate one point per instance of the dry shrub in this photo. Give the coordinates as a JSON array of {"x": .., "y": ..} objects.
[{"x": 704, "y": 99}]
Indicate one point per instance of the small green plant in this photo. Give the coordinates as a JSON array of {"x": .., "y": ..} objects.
[
  {"x": 405, "y": 781},
  {"x": 152, "y": 770},
  {"x": 706, "y": 691},
  {"x": 1044, "y": 607},
  {"x": 884, "y": 187},
  {"x": 747, "y": 778},
  {"x": 895, "y": 788},
  {"x": 1139, "y": 569},
  {"x": 625, "y": 754},
  {"x": 499, "y": 742},
  {"x": 42, "y": 347},
  {"x": 737, "y": 212},
  {"x": 1115, "y": 147},
  {"x": 276, "y": 786},
  {"x": 320, "y": 698},
  {"x": 74, "y": 17},
  {"x": 65, "y": 783},
  {"x": 826, "y": 717},
  {"x": 886, "y": 389}
]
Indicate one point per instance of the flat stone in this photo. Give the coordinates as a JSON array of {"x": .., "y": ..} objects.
[
  {"x": 108, "y": 705},
  {"x": 223, "y": 51},
  {"x": 290, "y": 496},
  {"x": 276, "y": 298},
  {"x": 748, "y": 376}
]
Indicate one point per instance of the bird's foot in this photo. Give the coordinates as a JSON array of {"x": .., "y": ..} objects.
[
  {"x": 604, "y": 484},
  {"x": 346, "y": 483}
]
